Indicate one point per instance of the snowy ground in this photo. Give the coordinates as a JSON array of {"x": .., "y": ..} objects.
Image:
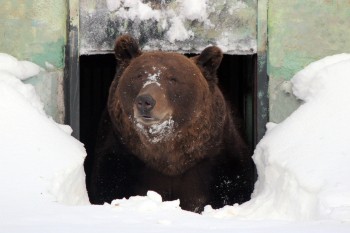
[{"x": 302, "y": 163}]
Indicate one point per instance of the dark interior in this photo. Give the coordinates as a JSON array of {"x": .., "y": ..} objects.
[{"x": 236, "y": 79}]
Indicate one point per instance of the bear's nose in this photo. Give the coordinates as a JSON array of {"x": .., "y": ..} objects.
[{"x": 145, "y": 103}]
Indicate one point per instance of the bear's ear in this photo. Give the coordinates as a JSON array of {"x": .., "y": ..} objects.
[
  {"x": 126, "y": 48},
  {"x": 209, "y": 61}
]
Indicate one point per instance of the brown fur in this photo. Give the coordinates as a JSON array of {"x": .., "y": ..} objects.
[
  {"x": 203, "y": 160},
  {"x": 192, "y": 141}
]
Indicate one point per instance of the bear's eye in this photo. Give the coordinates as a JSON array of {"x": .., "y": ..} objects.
[{"x": 173, "y": 80}]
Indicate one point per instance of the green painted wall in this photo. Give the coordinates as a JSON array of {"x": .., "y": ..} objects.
[
  {"x": 300, "y": 32},
  {"x": 35, "y": 30}
]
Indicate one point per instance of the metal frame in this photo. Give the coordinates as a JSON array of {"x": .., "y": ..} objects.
[
  {"x": 72, "y": 80},
  {"x": 261, "y": 102}
]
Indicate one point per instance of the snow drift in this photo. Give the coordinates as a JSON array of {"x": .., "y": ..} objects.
[
  {"x": 20, "y": 69},
  {"x": 303, "y": 162},
  {"x": 39, "y": 160}
]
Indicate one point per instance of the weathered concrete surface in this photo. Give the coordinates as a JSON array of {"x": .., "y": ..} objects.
[
  {"x": 49, "y": 87},
  {"x": 169, "y": 25},
  {"x": 262, "y": 101},
  {"x": 35, "y": 30},
  {"x": 300, "y": 32}
]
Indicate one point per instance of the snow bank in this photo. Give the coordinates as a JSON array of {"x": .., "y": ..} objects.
[
  {"x": 303, "y": 162},
  {"x": 20, "y": 69},
  {"x": 39, "y": 161},
  {"x": 150, "y": 203}
]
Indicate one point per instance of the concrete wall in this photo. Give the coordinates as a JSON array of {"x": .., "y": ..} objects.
[
  {"x": 35, "y": 30},
  {"x": 169, "y": 25},
  {"x": 300, "y": 32}
]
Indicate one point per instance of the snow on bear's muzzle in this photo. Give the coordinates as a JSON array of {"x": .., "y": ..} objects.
[
  {"x": 151, "y": 105},
  {"x": 153, "y": 114}
]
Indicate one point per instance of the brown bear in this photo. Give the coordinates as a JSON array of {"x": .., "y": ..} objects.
[{"x": 167, "y": 128}]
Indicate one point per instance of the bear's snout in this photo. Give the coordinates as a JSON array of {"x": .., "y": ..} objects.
[
  {"x": 151, "y": 106},
  {"x": 144, "y": 104}
]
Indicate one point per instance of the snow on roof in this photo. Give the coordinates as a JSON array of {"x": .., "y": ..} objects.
[{"x": 176, "y": 25}]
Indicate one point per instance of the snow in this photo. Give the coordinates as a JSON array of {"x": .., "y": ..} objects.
[
  {"x": 159, "y": 131},
  {"x": 38, "y": 156},
  {"x": 20, "y": 69},
  {"x": 194, "y": 10},
  {"x": 178, "y": 25},
  {"x": 150, "y": 203},
  {"x": 131, "y": 9},
  {"x": 302, "y": 163},
  {"x": 153, "y": 78},
  {"x": 177, "y": 30},
  {"x": 113, "y": 5}
]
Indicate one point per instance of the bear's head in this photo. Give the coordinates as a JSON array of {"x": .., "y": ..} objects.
[{"x": 165, "y": 107}]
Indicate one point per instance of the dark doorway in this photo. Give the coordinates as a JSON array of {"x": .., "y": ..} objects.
[{"x": 237, "y": 75}]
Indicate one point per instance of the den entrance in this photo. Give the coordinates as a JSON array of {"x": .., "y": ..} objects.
[{"x": 237, "y": 80}]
